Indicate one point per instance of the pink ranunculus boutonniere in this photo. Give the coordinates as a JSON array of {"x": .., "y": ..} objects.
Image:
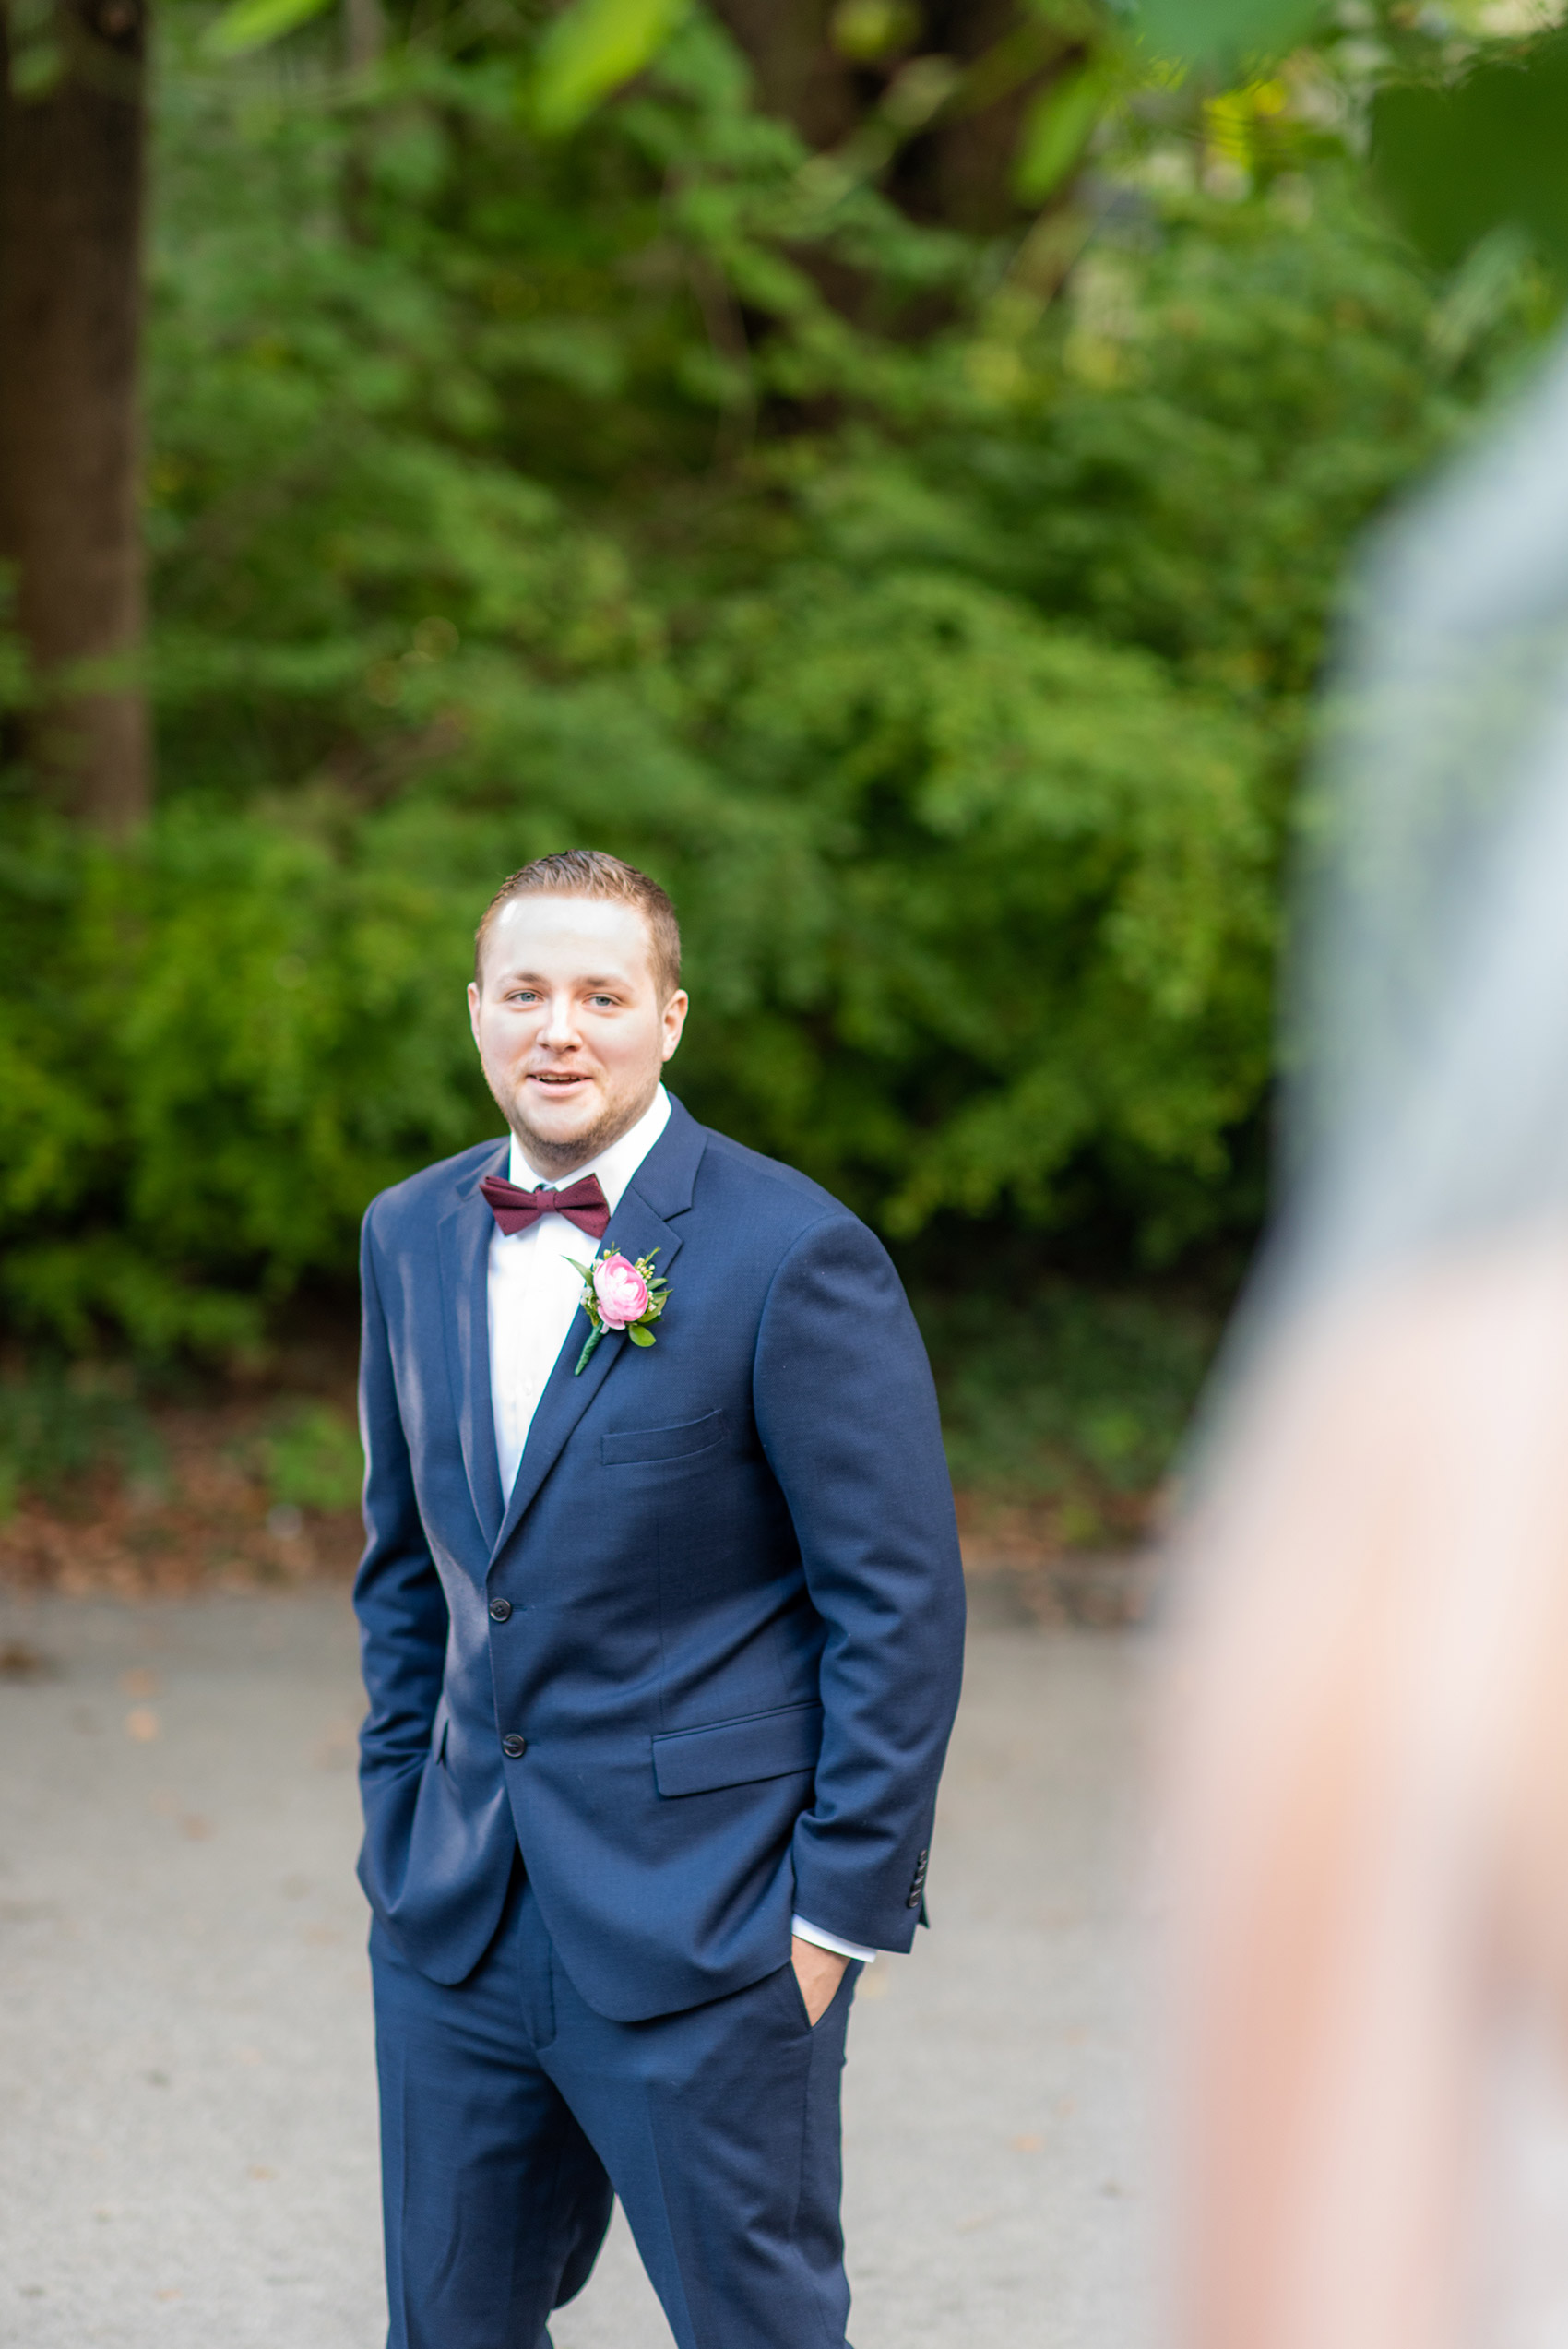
[{"x": 619, "y": 1295}]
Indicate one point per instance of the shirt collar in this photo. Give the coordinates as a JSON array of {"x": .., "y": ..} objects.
[{"x": 614, "y": 1166}]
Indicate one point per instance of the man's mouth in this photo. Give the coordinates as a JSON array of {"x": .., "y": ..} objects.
[{"x": 554, "y": 1077}]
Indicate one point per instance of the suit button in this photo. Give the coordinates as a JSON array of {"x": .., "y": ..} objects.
[
  {"x": 514, "y": 1746},
  {"x": 914, "y": 1901},
  {"x": 500, "y": 1610}
]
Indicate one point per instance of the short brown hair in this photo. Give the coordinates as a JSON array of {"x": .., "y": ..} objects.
[{"x": 588, "y": 872}]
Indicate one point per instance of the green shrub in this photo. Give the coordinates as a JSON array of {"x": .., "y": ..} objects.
[
  {"x": 313, "y": 1458},
  {"x": 942, "y": 646},
  {"x": 968, "y": 898},
  {"x": 1066, "y": 1394},
  {"x": 60, "y": 1427}
]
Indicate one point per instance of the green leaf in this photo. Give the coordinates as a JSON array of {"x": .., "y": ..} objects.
[
  {"x": 252, "y": 24},
  {"x": 639, "y": 1336},
  {"x": 1224, "y": 33},
  {"x": 1058, "y": 128},
  {"x": 1456, "y": 163},
  {"x": 589, "y": 52}
]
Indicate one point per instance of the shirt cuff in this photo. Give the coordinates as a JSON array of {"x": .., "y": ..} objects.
[{"x": 804, "y": 1932}]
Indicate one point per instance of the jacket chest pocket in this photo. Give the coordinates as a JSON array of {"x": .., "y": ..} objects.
[{"x": 635, "y": 1446}]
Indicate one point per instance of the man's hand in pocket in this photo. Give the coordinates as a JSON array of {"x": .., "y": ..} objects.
[{"x": 819, "y": 1973}]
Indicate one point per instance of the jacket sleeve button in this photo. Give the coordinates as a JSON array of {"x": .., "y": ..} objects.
[{"x": 514, "y": 1746}]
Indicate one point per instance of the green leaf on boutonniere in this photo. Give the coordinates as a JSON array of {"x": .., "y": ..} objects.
[{"x": 639, "y": 1336}]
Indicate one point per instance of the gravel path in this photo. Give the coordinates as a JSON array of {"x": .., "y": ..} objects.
[{"x": 187, "y": 2100}]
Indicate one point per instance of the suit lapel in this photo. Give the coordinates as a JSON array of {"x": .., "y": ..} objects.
[
  {"x": 464, "y": 1239},
  {"x": 634, "y": 1230}
]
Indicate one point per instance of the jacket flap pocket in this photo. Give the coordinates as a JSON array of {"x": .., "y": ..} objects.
[
  {"x": 622, "y": 1446},
  {"x": 732, "y": 1752}
]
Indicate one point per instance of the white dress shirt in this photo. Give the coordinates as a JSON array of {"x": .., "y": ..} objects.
[{"x": 534, "y": 1289}]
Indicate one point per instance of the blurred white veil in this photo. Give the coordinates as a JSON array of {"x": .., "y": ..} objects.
[
  {"x": 1369, "y": 1842},
  {"x": 1427, "y": 1019}
]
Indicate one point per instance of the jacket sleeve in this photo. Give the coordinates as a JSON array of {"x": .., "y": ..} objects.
[
  {"x": 398, "y": 1595},
  {"x": 848, "y": 1417}
]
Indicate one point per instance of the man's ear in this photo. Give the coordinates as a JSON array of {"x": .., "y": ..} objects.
[{"x": 475, "y": 999}]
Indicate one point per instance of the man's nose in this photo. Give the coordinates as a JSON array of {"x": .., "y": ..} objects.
[{"x": 560, "y": 1029}]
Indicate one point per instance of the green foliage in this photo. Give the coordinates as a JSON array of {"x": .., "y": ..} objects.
[
  {"x": 1058, "y": 129},
  {"x": 1458, "y": 109},
  {"x": 975, "y": 896},
  {"x": 1014, "y": 882},
  {"x": 1064, "y": 1394},
  {"x": 1460, "y": 163},
  {"x": 1225, "y": 32},
  {"x": 222, "y": 1047},
  {"x": 254, "y": 24},
  {"x": 1181, "y": 456},
  {"x": 592, "y": 48},
  {"x": 311, "y": 1459},
  {"x": 939, "y": 632},
  {"x": 59, "y": 1426}
]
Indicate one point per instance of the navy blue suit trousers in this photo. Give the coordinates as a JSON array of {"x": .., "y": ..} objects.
[{"x": 508, "y": 2106}]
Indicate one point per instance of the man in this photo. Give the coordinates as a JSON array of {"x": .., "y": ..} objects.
[{"x": 661, "y": 1619}]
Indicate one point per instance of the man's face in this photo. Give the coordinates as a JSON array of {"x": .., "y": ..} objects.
[{"x": 572, "y": 1034}]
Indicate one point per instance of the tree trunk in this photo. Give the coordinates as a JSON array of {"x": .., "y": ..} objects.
[
  {"x": 959, "y": 171},
  {"x": 72, "y": 116},
  {"x": 799, "y": 73}
]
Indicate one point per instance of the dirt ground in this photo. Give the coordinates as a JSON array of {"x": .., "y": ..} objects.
[{"x": 209, "y": 1518}]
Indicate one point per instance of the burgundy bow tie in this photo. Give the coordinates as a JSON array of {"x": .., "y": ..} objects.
[{"x": 583, "y": 1204}]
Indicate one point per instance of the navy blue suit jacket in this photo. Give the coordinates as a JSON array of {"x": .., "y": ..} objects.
[{"x": 736, "y": 1612}]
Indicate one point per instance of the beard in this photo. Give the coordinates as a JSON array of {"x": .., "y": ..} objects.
[{"x": 551, "y": 1155}]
